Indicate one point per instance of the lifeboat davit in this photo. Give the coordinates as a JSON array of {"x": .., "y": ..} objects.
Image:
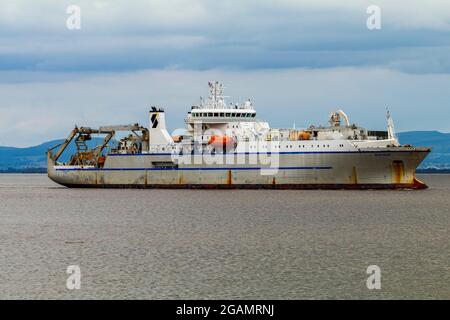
[{"x": 222, "y": 142}]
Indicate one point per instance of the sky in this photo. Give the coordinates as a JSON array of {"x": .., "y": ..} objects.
[{"x": 297, "y": 61}]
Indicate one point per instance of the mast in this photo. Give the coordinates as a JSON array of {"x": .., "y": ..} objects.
[
  {"x": 390, "y": 127},
  {"x": 216, "y": 100}
]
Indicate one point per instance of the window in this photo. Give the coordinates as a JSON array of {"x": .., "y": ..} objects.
[
  {"x": 227, "y": 114},
  {"x": 248, "y": 115},
  {"x": 253, "y": 115},
  {"x": 222, "y": 114},
  {"x": 210, "y": 114},
  {"x": 233, "y": 114},
  {"x": 216, "y": 114}
]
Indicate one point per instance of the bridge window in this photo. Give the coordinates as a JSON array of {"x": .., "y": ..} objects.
[
  {"x": 227, "y": 114},
  {"x": 216, "y": 114},
  {"x": 210, "y": 114}
]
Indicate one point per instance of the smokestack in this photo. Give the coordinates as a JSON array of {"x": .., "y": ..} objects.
[{"x": 157, "y": 129}]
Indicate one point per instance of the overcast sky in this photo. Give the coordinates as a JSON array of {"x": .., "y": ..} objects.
[{"x": 297, "y": 60}]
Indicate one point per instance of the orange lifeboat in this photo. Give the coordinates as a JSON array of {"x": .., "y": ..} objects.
[
  {"x": 222, "y": 142},
  {"x": 304, "y": 135}
]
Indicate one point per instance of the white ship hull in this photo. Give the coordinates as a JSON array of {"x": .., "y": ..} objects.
[{"x": 365, "y": 169}]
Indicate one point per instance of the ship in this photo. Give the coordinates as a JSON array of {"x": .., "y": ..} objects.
[{"x": 224, "y": 145}]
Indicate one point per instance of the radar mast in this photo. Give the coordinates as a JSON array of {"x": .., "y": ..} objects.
[{"x": 216, "y": 100}]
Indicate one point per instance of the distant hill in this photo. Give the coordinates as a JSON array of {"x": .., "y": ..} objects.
[
  {"x": 438, "y": 141},
  {"x": 34, "y": 158}
]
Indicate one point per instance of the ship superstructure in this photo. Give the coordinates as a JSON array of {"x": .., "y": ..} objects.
[{"x": 225, "y": 145}]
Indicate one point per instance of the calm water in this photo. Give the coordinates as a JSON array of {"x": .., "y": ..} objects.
[{"x": 153, "y": 244}]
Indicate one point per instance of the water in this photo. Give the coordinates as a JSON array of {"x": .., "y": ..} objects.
[{"x": 218, "y": 244}]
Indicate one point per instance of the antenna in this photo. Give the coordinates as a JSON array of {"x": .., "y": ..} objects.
[{"x": 216, "y": 99}]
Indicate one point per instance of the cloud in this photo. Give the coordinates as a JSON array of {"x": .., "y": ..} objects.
[
  {"x": 195, "y": 34},
  {"x": 49, "y": 105},
  {"x": 299, "y": 60}
]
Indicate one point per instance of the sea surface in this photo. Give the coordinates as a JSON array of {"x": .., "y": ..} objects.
[{"x": 222, "y": 244}]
